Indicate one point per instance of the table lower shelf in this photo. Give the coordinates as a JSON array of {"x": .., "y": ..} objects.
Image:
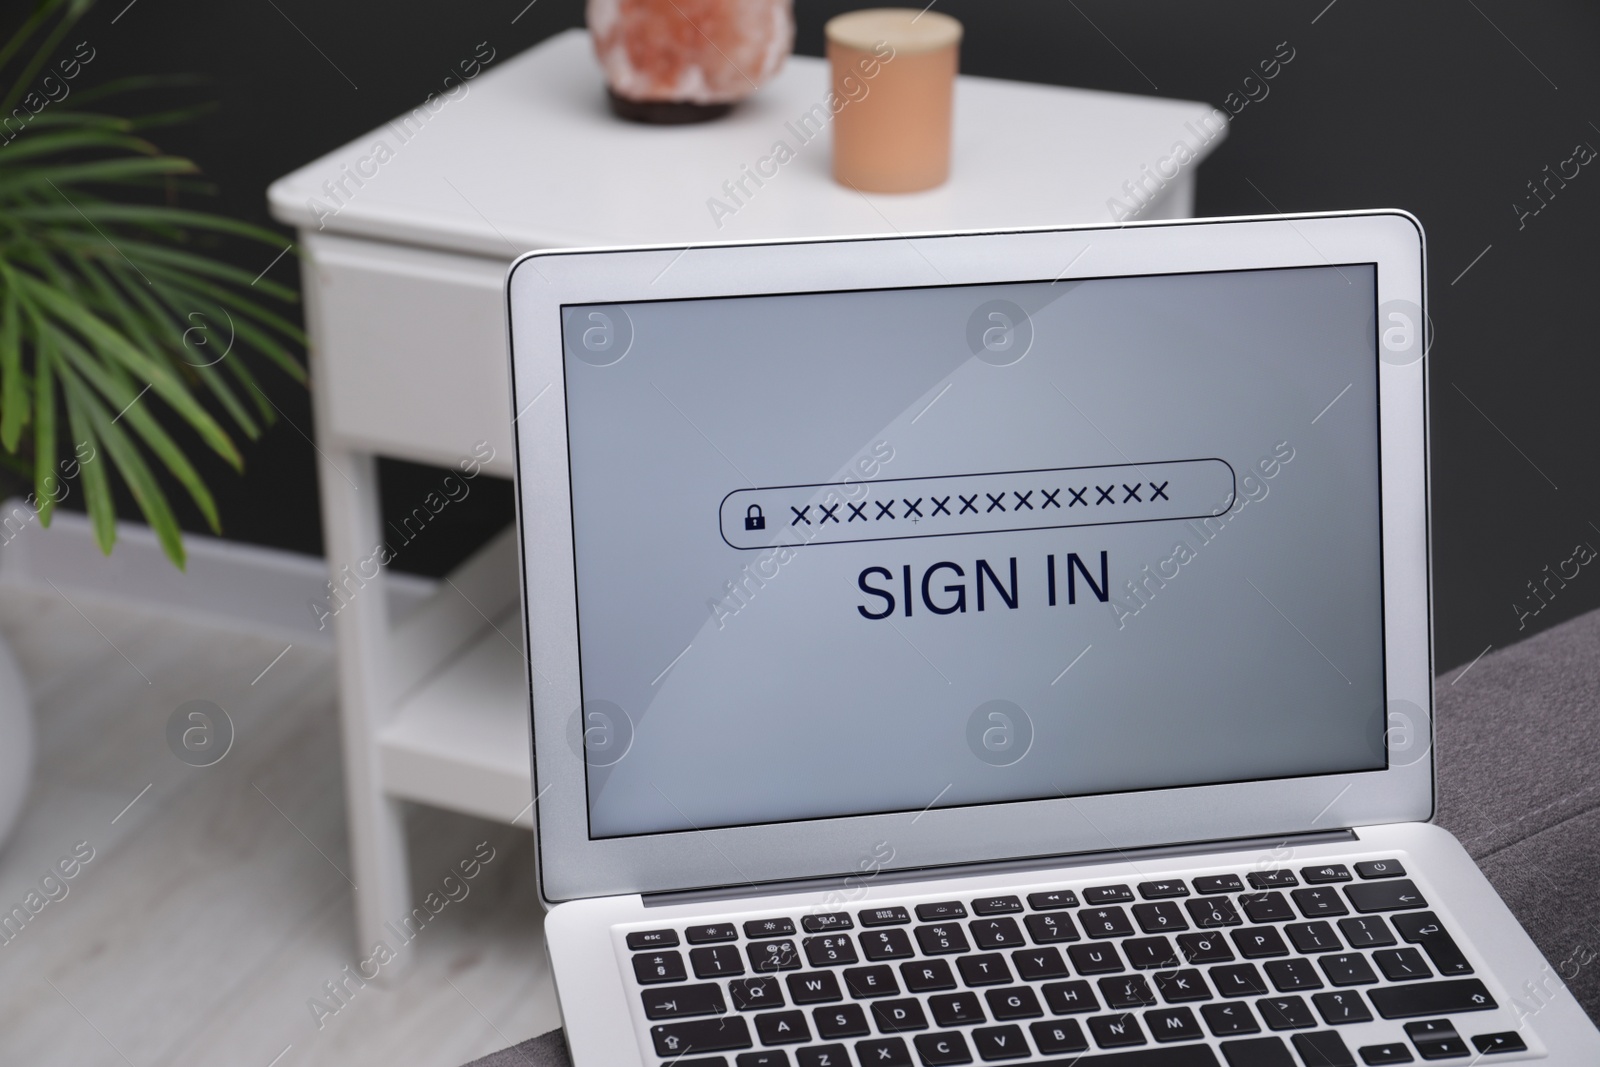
[{"x": 460, "y": 740}]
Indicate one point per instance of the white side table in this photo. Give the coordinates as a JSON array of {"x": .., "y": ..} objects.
[{"x": 407, "y": 232}]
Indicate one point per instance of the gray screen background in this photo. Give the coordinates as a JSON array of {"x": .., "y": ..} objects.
[{"x": 1261, "y": 656}]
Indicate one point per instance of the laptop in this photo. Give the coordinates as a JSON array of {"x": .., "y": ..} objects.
[{"x": 999, "y": 647}]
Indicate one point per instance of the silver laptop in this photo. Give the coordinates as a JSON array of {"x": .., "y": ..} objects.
[{"x": 999, "y": 648}]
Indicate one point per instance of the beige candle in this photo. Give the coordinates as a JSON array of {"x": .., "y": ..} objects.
[{"x": 895, "y": 69}]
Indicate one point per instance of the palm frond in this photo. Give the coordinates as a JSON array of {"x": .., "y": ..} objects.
[{"x": 115, "y": 327}]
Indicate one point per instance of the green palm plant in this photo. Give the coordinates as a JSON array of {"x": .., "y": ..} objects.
[{"x": 114, "y": 320}]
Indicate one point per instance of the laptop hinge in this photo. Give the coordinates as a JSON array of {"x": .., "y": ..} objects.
[{"x": 1033, "y": 863}]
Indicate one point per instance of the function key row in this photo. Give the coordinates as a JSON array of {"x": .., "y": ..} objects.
[{"x": 1318, "y": 902}]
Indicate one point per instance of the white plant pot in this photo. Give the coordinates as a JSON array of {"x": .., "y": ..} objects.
[{"x": 16, "y": 741}]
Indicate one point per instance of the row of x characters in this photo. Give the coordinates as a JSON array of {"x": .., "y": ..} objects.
[{"x": 913, "y": 509}]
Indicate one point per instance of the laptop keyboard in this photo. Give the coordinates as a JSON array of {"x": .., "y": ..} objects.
[{"x": 1267, "y": 968}]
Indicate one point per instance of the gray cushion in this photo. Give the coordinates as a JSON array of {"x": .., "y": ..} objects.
[{"x": 1518, "y": 765}]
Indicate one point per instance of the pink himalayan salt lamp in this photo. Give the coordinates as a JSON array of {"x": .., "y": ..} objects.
[{"x": 673, "y": 61}]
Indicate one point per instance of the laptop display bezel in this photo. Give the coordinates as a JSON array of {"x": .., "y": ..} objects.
[{"x": 574, "y": 865}]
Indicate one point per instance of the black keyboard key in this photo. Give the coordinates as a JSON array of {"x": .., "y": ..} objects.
[
  {"x": 1047, "y": 929},
  {"x": 899, "y": 1016},
  {"x": 1217, "y": 883},
  {"x": 1205, "y": 948},
  {"x": 1039, "y": 964},
  {"x": 1342, "y": 1006},
  {"x": 1059, "y": 1037},
  {"x": 1272, "y": 879},
  {"x": 1056, "y": 899},
  {"x": 822, "y": 922},
  {"x": 1393, "y": 1052},
  {"x": 1017, "y": 1002},
  {"x": 1210, "y": 912},
  {"x": 1226, "y": 1020},
  {"x": 1257, "y": 1052},
  {"x": 999, "y": 1043},
  {"x": 1095, "y": 959},
  {"x": 1424, "y": 928},
  {"x": 673, "y": 1040},
  {"x": 822, "y": 1056},
  {"x": 782, "y": 1028},
  {"x": 683, "y": 1001},
  {"x": 1431, "y": 998},
  {"x": 1266, "y": 907},
  {"x": 927, "y": 976},
  {"x": 1108, "y": 894},
  {"x": 1332, "y": 872},
  {"x": 1173, "y": 1024},
  {"x": 948, "y": 909},
  {"x": 1163, "y": 889},
  {"x": 942, "y": 939},
  {"x": 996, "y": 905},
  {"x": 1324, "y": 1048},
  {"x": 890, "y": 944},
  {"x": 937, "y": 1050},
  {"x": 1178, "y": 987},
  {"x": 759, "y": 928},
  {"x": 1369, "y": 932},
  {"x": 1313, "y": 937},
  {"x": 650, "y": 968},
  {"x": 702, "y": 935},
  {"x": 956, "y": 1009},
  {"x": 1285, "y": 1013},
  {"x": 1380, "y": 869},
  {"x": 755, "y": 994},
  {"x": 884, "y": 1052},
  {"x": 1259, "y": 942},
  {"x": 1238, "y": 980},
  {"x": 1148, "y": 953},
  {"x": 1115, "y": 1031},
  {"x": 1291, "y": 976},
  {"x": 772, "y": 956},
  {"x": 640, "y": 940},
  {"x": 1385, "y": 896},
  {"x": 1430, "y": 1028},
  {"x": 813, "y": 987},
  {"x": 716, "y": 962},
  {"x": 1505, "y": 1041},
  {"x": 864, "y": 982},
  {"x": 830, "y": 950},
  {"x": 1105, "y": 922},
  {"x": 995, "y": 933},
  {"x": 1126, "y": 991},
  {"x": 988, "y": 968},
  {"x": 1401, "y": 964},
  {"x": 770, "y": 1057},
  {"x": 1347, "y": 969},
  {"x": 1319, "y": 902},
  {"x": 1069, "y": 998},
  {"x": 884, "y": 917},
  {"x": 846, "y": 1020},
  {"x": 1161, "y": 918}
]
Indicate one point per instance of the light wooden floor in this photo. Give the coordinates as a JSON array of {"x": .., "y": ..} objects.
[{"x": 217, "y": 905}]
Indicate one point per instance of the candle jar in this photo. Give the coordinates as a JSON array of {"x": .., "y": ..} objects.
[{"x": 896, "y": 68}]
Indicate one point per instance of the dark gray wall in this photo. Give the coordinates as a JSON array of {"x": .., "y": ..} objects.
[{"x": 1443, "y": 108}]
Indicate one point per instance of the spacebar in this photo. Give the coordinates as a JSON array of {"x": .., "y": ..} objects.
[{"x": 1165, "y": 1056}]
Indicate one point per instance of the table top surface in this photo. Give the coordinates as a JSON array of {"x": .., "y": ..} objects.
[{"x": 527, "y": 155}]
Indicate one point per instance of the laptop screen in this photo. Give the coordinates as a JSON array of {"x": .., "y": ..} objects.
[{"x": 851, "y": 553}]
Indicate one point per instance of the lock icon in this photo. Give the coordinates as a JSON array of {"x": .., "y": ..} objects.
[{"x": 753, "y": 519}]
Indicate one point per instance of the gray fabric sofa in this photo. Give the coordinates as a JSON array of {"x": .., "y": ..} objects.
[{"x": 1518, "y": 772}]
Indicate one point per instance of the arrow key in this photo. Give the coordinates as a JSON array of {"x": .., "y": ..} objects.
[
  {"x": 1389, "y": 895},
  {"x": 1506, "y": 1041}
]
